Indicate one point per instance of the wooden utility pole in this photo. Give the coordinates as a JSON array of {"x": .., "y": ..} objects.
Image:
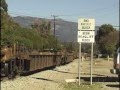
[{"x": 54, "y": 16}]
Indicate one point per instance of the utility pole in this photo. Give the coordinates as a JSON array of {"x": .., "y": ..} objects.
[{"x": 54, "y": 16}]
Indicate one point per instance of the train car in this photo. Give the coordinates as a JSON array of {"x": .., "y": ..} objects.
[{"x": 20, "y": 60}]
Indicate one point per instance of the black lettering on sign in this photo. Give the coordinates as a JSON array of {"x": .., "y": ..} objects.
[
  {"x": 82, "y": 23},
  {"x": 85, "y": 27},
  {"x": 86, "y": 20},
  {"x": 85, "y": 40},
  {"x": 86, "y": 33}
]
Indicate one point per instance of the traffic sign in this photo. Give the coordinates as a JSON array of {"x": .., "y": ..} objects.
[
  {"x": 86, "y": 36},
  {"x": 86, "y": 24}
]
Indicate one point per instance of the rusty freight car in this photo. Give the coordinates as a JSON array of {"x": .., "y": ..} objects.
[{"x": 20, "y": 60}]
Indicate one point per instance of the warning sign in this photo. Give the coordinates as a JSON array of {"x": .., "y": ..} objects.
[
  {"x": 86, "y": 36},
  {"x": 86, "y": 24}
]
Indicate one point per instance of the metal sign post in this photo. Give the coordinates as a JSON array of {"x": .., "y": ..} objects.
[
  {"x": 91, "y": 64},
  {"x": 86, "y": 34},
  {"x": 79, "y": 63}
]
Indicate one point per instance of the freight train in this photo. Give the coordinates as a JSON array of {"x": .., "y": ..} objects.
[{"x": 19, "y": 60}]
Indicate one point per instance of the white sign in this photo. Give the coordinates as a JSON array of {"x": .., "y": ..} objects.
[
  {"x": 86, "y": 36},
  {"x": 86, "y": 24}
]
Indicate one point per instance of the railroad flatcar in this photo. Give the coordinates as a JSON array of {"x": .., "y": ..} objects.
[{"x": 19, "y": 60}]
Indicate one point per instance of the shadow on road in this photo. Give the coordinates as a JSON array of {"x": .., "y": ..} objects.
[
  {"x": 116, "y": 86},
  {"x": 101, "y": 79},
  {"x": 36, "y": 71},
  {"x": 45, "y": 79},
  {"x": 63, "y": 71}
]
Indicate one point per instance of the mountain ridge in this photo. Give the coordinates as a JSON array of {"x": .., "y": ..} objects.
[{"x": 66, "y": 31}]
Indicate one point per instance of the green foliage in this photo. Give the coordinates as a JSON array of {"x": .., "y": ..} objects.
[
  {"x": 86, "y": 48},
  {"x": 42, "y": 27},
  {"x": 70, "y": 46},
  {"x": 106, "y": 39},
  {"x": 28, "y": 37},
  {"x": 12, "y": 33},
  {"x": 4, "y": 5},
  {"x": 105, "y": 29}
]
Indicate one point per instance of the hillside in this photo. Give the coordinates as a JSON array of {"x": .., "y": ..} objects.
[{"x": 66, "y": 31}]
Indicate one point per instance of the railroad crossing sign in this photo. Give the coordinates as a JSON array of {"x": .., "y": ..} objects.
[{"x": 86, "y": 24}]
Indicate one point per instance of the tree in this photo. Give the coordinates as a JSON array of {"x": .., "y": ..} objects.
[
  {"x": 42, "y": 27},
  {"x": 104, "y": 30},
  {"x": 106, "y": 39},
  {"x": 4, "y": 5},
  {"x": 11, "y": 33},
  {"x": 110, "y": 42}
]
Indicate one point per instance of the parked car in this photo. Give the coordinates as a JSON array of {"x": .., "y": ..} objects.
[{"x": 116, "y": 63}]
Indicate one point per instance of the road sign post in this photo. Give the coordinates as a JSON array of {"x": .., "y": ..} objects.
[
  {"x": 79, "y": 62},
  {"x": 86, "y": 34},
  {"x": 91, "y": 64}
]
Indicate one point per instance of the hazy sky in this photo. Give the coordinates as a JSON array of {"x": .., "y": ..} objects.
[{"x": 104, "y": 11}]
